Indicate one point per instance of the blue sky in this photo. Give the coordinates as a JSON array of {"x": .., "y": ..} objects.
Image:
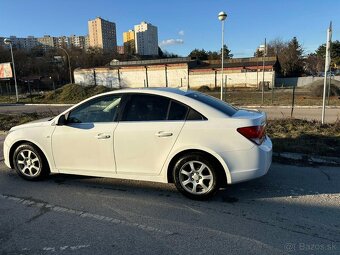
[{"x": 182, "y": 24}]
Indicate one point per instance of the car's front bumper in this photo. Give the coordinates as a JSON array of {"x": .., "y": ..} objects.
[
  {"x": 6, "y": 154},
  {"x": 250, "y": 164}
]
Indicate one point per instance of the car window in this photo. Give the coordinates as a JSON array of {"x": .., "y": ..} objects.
[
  {"x": 194, "y": 115},
  {"x": 214, "y": 102},
  {"x": 103, "y": 109},
  {"x": 177, "y": 111},
  {"x": 146, "y": 108}
]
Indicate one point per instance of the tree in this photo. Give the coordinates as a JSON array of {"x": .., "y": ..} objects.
[
  {"x": 313, "y": 64},
  {"x": 200, "y": 54},
  {"x": 292, "y": 59},
  {"x": 290, "y": 55},
  {"x": 335, "y": 53},
  {"x": 211, "y": 55}
]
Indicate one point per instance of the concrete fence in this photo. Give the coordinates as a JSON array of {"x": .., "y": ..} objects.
[{"x": 169, "y": 76}]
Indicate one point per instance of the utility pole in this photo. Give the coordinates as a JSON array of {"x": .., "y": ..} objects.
[
  {"x": 263, "y": 56},
  {"x": 327, "y": 64}
]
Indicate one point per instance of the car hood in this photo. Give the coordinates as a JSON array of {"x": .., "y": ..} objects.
[{"x": 35, "y": 123}]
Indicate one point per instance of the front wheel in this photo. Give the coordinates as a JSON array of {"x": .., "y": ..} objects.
[
  {"x": 195, "y": 177},
  {"x": 30, "y": 163}
]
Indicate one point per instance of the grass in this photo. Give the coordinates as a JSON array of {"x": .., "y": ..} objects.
[
  {"x": 278, "y": 97},
  {"x": 68, "y": 94},
  {"x": 288, "y": 135},
  {"x": 72, "y": 93},
  {"x": 302, "y": 136}
]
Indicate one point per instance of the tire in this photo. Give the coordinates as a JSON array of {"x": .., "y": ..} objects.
[
  {"x": 30, "y": 163},
  {"x": 195, "y": 176}
]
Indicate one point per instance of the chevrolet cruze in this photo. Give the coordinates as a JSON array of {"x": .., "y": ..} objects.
[{"x": 163, "y": 135}]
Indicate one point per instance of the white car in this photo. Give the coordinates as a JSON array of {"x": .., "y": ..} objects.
[{"x": 163, "y": 135}]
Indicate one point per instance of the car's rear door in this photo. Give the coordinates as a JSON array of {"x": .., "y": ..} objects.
[{"x": 147, "y": 130}]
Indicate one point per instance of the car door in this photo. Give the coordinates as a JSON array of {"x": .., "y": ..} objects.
[
  {"x": 85, "y": 143},
  {"x": 146, "y": 132}
]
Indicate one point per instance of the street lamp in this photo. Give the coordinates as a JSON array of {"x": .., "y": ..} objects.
[
  {"x": 69, "y": 63},
  {"x": 222, "y": 16},
  {"x": 9, "y": 41}
]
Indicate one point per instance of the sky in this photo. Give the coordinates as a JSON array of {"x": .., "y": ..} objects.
[{"x": 183, "y": 25}]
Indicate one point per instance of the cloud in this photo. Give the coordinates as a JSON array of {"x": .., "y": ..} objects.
[
  {"x": 181, "y": 32},
  {"x": 170, "y": 42}
]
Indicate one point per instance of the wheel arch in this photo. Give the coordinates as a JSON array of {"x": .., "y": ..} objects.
[
  {"x": 222, "y": 168},
  {"x": 20, "y": 142}
]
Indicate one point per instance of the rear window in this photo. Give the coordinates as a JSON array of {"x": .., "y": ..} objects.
[{"x": 214, "y": 102}]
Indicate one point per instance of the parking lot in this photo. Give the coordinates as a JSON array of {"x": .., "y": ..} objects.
[{"x": 292, "y": 210}]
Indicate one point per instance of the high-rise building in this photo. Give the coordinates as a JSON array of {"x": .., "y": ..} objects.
[
  {"x": 47, "y": 42},
  {"x": 102, "y": 34},
  {"x": 120, "y": 50},
  {"x": 77, "y": 41},
  {"x": 63, "y": 42},
  {"x": 129, "y": 42},
  {"x": 146, "y": 39}
]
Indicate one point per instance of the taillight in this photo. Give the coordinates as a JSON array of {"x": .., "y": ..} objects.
[{"x": 254, "y": 133}]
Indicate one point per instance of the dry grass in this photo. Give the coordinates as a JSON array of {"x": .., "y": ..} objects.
[
  {"x": 302, "y": 136},
  {"x": 8, "y": 120},
  {"x": 70, "y": 93},
  {"x": 73, "y": 93}
]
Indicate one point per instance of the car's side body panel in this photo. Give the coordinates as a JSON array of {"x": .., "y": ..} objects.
[
  {"x": 84, "y": 147},
  {"x": 141, "y": 147},
  {"x": 134, "y": 150}
]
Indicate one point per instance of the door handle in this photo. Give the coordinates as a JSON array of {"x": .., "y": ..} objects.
[
  {"x": 103, "y": 136},
  {"x": 163, "y": 134}
]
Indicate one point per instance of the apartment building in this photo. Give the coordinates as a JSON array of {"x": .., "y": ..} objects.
[
  {"x": 146, "y": 39},
  {"x": 47, "y": 42},
  {"x": 78, "y": 41},
  {"x": 129, "y": 42},
  {"x": 102, "y": 34}
]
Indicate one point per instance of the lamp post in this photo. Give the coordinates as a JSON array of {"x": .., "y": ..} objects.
[
  {"x": 69, "y": 63},
  {"x": 222, "y": 16},
  {"x": 9, "y": 41}
]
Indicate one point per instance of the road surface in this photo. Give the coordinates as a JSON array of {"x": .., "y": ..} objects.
[
  {"x": 292, "y": 210},
  {"x": 332, "y": 114}
]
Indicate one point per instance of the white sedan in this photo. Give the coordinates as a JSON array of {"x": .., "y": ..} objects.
[{"x": 163, "y": 135}]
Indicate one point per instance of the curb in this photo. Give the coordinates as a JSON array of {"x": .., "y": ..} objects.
[{"x": 310, "y": 159}]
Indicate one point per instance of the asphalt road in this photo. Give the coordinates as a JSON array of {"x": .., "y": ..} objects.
[
  {"x": 332, "y": 114},
  {"x": 292, "y": 210}
]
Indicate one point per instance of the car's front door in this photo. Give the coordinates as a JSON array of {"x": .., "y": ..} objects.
[
  {"x": 147, "y": 131},
  {"x": 85, "y": 143}
]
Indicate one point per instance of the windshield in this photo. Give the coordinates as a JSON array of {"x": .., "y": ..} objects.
[{"x": 214, "y": 102}]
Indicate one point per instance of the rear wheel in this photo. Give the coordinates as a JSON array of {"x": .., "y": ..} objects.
[
  {"x": 30, "y": 163},
  {"x": 195, "y": 177}
]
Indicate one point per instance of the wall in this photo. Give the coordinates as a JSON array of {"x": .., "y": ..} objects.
[{"x": 175, "y": 75}]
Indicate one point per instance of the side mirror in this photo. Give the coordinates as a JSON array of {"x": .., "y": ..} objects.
[{"x": 62, "y": 120}]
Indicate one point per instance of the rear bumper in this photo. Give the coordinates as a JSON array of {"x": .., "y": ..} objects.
[{"x": 250, "y": 164}]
